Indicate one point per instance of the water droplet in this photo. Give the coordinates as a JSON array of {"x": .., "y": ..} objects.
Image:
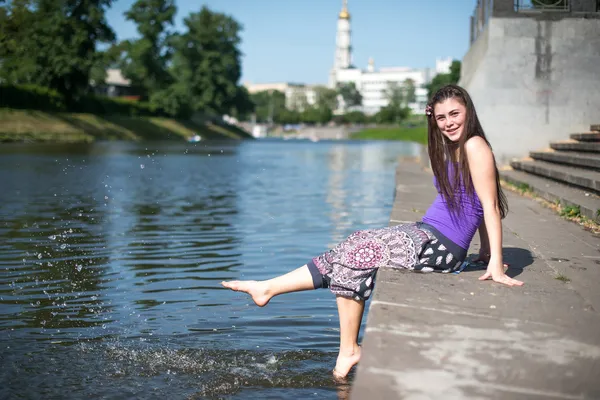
[
  {"x": 52, "y": 237},
  {"x": 94, "y": 298},
  {"x": 142, "y": 166},
  {"x": 40, "y": 256},
  {"x": 103, "y": 326},
  {"x": 79, "y": 267},
  {"x": 63, "y": 246}
]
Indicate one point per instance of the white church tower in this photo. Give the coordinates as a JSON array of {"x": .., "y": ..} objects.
[{"x": 343, "y": 48}]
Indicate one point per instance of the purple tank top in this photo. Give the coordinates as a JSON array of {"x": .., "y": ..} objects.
[{"x": 460, "y": 228}]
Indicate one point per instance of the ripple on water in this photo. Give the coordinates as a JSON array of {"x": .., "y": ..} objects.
[{"x": 109, "y": 272}]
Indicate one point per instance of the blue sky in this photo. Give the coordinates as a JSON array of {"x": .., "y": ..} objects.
[{"x": 294, "y": 40}]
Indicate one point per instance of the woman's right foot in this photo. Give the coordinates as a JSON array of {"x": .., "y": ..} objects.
[
  {"x": 345, "y": 362},
  {"x": 257, "y": 289}
]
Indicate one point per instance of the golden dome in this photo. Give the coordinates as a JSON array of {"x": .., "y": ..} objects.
[{"x": 344, "y": 14}]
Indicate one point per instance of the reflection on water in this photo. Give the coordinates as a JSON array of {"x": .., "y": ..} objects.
[{"x": 111, "y": 256}]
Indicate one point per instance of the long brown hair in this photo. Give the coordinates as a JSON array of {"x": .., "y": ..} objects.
[{"x": 440, "y": 151}]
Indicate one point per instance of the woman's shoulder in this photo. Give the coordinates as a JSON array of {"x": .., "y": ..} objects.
[
  {"x": 476, "y": 144},
  {"x": 478, "y": 152}
]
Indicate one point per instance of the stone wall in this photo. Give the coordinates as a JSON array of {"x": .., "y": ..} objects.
[{"x": 534, "y": 79}]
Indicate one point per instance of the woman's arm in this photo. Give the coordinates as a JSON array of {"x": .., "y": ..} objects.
[
  {"x": 483, "y": 175},
  {"x": 484, "y": 241}
]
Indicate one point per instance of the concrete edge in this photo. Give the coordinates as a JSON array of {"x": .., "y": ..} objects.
[{"x": 550, "y": 195}]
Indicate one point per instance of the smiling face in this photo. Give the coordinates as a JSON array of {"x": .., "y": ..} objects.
[{"x": 450, "y": 116}]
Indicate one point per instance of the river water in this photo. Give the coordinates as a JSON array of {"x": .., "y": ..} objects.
[{"x": 111, "y": 256}]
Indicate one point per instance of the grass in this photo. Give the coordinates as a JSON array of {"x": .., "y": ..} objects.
[
  {"x": 571, "y": 213},
  {"x": 562, "y": 278},
  {"x": 414, "y": 134},
  {"x": 524, "y": 188},
  {"x": 32, "y": 125}
]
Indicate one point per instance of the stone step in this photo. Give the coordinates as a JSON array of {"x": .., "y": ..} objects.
[
  {"x": 585, "y": 179},
  {"x": 573, "y": 145},
  {"x": 582, "y": 160},
  {"x": 595, "y": 127},
  {"x": 552, "y": 191},
  {"x": 586, "y": 137}
]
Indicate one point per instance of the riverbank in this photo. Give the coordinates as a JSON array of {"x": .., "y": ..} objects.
[
  {"x": 33, "y": 125},
  {"x": 413, "y": 134},
  {"x": 484, "y": 340}
]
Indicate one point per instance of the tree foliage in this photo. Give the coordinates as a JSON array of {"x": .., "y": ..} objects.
[
  {"x": 146, "y": 59},
  {"x": 350, "y": 95},
  {"x": 441, "y": 80},
  {"x": 52, "y": 43},
  {"x": 326, "y": 98},
  {"x": 269, "y": 106},
  {"x": 206, "y": 63}
]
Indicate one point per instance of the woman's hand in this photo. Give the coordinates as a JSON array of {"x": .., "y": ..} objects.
[{"x": 495, "y": 271}]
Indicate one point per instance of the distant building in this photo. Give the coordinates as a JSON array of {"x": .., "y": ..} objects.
[
  {"x": 374, "y": 84},
  {"x": 297, "y": 95},
  {"x": 116, "y": 85}
]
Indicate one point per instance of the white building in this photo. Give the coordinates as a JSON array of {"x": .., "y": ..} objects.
[
  {"x": 297, "y": 96},
  {"x": 374, "y": 84}
]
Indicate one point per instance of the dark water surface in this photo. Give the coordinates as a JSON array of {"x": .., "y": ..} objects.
[{"x": 111, "y": 256}]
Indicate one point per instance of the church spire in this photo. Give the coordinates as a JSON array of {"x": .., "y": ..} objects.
[{"x": 344, "y": 14}]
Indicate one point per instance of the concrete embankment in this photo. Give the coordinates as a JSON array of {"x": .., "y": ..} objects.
[{"x": 434, "y": 336}]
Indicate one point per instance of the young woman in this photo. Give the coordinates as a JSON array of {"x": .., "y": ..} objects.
[{"x": 469, "y": 197}]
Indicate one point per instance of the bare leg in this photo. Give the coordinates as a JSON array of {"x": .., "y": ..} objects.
[
  {"x": 350, "y": 312},
  {"x": 262, "y": 291}
]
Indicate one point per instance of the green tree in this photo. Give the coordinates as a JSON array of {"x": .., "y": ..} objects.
[
  {"x": 206, "y": 61},
  {"x": 398, "y": 97},
  {"x": 269, "y": 105},
  {"x": 395, "y": 95},
  {"x": 352, "y": 117},
  {"x": 17, "y": 64},
  {"x": 244, "y": 105},
  {"x": 350, "y": 95},
  {"x": 53, "y": 43},
  {"x": 145, "y": 60},
  {"x": 288, "y": 117},
  {"x": 326, "y": 98},
  {"x": 441, "y": 80},
  {"x": 409, "y": 89},
  {"x": 316, "y": 114},
  {"x": 106, "y": 59}
]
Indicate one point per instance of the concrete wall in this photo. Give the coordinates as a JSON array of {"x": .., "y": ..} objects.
[{"x": 534, "y": 80}]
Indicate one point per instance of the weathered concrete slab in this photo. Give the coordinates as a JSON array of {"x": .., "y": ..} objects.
[
  {"x": 553, "y": 191},
  {"x": 566, "y": 145},
  {"x": 581, "y": 160},
  {"x": 433, "y": 336},
  {"x": 586, "y": 137},
  {"x": 586, "y": 179}
]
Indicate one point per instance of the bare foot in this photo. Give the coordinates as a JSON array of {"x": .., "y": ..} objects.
[
  {"x": 345, "y": 362},
  {"x": 258, "y": 290}
]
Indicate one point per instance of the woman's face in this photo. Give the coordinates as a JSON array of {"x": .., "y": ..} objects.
[{"x": 450, "y": 117}]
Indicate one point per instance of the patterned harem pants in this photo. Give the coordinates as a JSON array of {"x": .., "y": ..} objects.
[{"x": 349, "y": 269}]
